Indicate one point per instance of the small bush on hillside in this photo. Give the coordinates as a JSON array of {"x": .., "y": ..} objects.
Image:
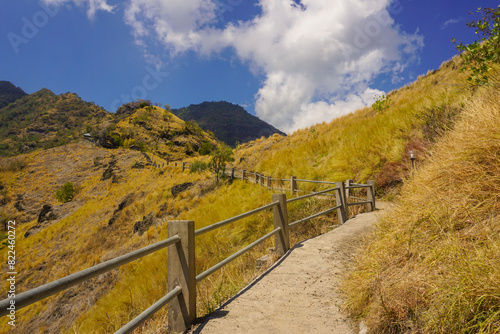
[
  {"x": 13, "y": 165},
  {"x": 382, "y": 103},
  {"x": 205, "y": 149},
  {"x": 144, "y": 103},
  {"x": 66, "y": 192},
  {"x": 191, "y": 127},
  {"x": 198, "y": 166}
]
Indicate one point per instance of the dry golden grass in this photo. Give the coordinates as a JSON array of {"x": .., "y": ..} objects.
[
  {"x": 432, "y": 266},
  {"x": 362, "y": 145},
  {"x": 359, "y": 146}
]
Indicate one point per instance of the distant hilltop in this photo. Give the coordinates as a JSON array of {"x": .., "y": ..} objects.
[
  {"x": 229, "y": 122},
  {"x": 9, "y": 93}
]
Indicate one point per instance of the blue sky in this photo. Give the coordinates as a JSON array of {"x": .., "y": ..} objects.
[{"x": 292, "y": 63}]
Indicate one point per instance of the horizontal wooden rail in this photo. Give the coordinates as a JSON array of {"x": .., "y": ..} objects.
[
  {"x": 314, "y": 181},
  {"x": 311, "y": 195},
  {"x": 314, "y": 216},
  {"x": 357, "y": 186},
  {"x": 212, "y": 227},
  {"x": 236, "y": 255},
  {"x": 137, "y": 321},
  {"x": 359, "y": 203},
  {"x": 32, "y": 296}
]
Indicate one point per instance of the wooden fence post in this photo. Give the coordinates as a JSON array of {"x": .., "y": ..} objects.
[
  {"x": 183, "y": 166},
  {"x": 280, "y": 214},
  {"x": 181, "y": 272},
  {"x": 269, "y": 183},
  {"x": 293, "y": 184},
  {"x": 232, "y": 173},
  {"x": 348, "y": 192},
  {"x": 256, "y": 178},
  {"x": 370, "y": 194},
  {"x": 243, "y": 175},
  {"x": 340, "y": 196},
  {"x": 348, "y": 183}
]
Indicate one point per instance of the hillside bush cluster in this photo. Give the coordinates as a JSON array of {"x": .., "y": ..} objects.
[
  {"x": 198, "y": 166},
  {"x": 66, "y": 192}
]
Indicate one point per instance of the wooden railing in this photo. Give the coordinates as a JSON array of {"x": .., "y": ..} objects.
[{"x": 182, "y": 278}]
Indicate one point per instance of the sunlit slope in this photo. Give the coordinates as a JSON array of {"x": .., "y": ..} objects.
[
  {"x": 366, "y": 144},
  {"x": 432, "y": 266},
  {"x": 98, "y": 224}
]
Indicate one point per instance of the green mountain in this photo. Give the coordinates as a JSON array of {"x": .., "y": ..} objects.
[
  {"x": 9, "y": 93},
  {"x": 229, "y": 122},
  {"x": 44, "y": 120}
]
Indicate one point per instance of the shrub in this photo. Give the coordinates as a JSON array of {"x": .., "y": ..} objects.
[
  {"x": 382, "y": 103},
  {"x": 198, "y": 166},
  {"x": 144, "y": 103},
  {"x": 480, "y": 57},
  {"x": 205, "y": 149},
  {"x": 13, "y": 165},
  {"x": 66, "y": 192}
]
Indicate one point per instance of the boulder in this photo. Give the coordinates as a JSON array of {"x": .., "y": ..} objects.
[
  {"x": 46, "y": 214},
  {"x": 177, "y": 189},
  {"x": 144, "y": 224}
]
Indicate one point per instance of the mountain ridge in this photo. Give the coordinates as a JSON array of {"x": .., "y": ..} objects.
[
  {"x": 9, "y": 93},
  {"x": 229, "y": 122}
]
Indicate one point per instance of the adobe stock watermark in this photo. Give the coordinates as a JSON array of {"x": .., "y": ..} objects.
[
  {"x": 30, "y": 27},
  {"x": 150, "y": 82},
  {"x": 373, "y": 28}
]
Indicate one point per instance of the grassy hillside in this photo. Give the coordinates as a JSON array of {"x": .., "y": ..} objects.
[
  {"x": 367, "y": 144},
  {"x": 153, "y": 129},
  {"x": 99, "y": 223},
  {"x": 45, "y": 120},
  {"x": 117, "y": 192},
  {"x": 432, "y": 266}
]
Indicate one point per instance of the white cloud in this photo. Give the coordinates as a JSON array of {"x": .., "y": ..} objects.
[
  {"x": 318, "y": 57},
  {"x": 92, "y": 5},
  {"x": 450, "y": 22}
]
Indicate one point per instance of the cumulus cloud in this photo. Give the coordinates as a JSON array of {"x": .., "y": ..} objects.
[
  {"x": 317, "y": 57},
  {"x": 92, "y": 5}
]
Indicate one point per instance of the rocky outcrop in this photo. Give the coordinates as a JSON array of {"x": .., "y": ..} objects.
[
  {"x": 144, "y": 224},
  {"x": 129, "y": 199},
  {"x": 45, "y": 218},
  {"x": 110, "y": 172},
  {"x": 47, "y": 214},
  {"x": 177, "y": 189}
]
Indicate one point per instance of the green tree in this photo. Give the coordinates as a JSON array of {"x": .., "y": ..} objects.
[
  {"x": 481, "y": 58},
  {"x": 220, "y": 157}
]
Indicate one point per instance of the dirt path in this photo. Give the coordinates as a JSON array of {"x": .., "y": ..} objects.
[{"x": 300, "y": 293}]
